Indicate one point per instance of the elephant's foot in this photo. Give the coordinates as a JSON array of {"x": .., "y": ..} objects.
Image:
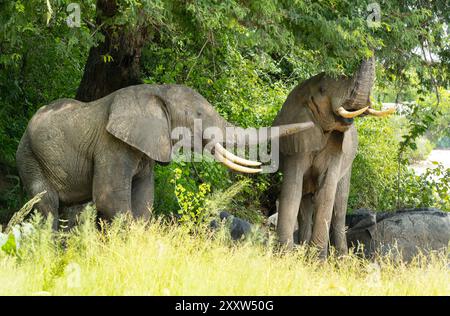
[{"x": 286, "y": 243}]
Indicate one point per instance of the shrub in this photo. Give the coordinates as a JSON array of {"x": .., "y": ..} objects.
[
  {"x": 374, "y": 172},
  {"x": 430, "y": 189}
]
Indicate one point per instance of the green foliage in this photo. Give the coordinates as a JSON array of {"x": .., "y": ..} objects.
[
  {"x": 192, "y": 204},
  {"x": 429, "y": 189},
  {"x": 38, "y": 64},
  {"x": 423, "y": 149},
  {"x": 374, "y": 173},
  {"x": 9, "y": 246},
  {"x": 439, "y": 132}
]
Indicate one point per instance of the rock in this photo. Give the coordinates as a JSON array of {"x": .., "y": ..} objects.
[
  {"x": 238, "y": 227},
  {"x": 273, "y": 220},
  {"x": 361, "y": 230},
  {"x": 404, "y": 233}
]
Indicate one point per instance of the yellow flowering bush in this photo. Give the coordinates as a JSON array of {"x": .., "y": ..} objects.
[{"x": 192, "y": 204}]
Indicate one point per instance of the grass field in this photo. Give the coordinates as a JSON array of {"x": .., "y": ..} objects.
[{"x": 131, "y": 258}]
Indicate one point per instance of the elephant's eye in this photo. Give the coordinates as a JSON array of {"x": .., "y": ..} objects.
[
  {"x": 322, "y": 89},
  {"x": 199, "y": 113}
]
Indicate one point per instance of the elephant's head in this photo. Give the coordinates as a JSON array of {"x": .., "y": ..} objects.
[
  {"x": 332, "y": 103},
  {"x": 336, "y": 102},
  {"x": 144, "y": 117}
]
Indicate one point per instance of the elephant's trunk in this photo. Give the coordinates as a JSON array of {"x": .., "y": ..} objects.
[
  {"x": 250, "y": 137},
  {"x": 362, "y": 85},
  {"x": 359, "y": 100}
]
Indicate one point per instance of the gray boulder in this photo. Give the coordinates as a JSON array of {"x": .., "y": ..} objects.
[
  {"x": 403, "y": 234},
  {"x": 239, "y": 228}
]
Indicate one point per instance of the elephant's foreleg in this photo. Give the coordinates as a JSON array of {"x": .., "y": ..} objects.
[
  {"x": 289, "y": 201},
  {"x": 142, "y": 193},
  {"x": 324, "y": 202},
  {"x": 305, "y": 219},
  {"x": 338, "y": 238},
  {"x": 112, "y": 190}
]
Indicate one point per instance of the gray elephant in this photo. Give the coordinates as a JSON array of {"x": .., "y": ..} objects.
[
  {"x": 316, "y": 164},
  {"x": 105, "y": 150}
]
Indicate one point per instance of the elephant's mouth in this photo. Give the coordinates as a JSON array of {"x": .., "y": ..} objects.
[
  {"x": 346, "y": 121},
  {"x": 367, "y": 110}
]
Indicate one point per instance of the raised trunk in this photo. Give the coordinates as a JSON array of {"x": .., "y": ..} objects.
[{"x": 363, "y": 82}]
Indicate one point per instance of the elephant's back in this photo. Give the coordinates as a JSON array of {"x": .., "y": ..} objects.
[
  {"x": 64, "y": 120},
  {"x": 56, "y": 111},
  {"x": 62, "y": 137}
]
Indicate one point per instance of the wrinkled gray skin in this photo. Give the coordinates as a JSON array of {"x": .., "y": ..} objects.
[
  {"x": 105, "y": 150},
  {"x": 316, "y": 164}
]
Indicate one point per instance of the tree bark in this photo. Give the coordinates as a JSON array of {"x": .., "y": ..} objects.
[{"x": 123, "y": 44}]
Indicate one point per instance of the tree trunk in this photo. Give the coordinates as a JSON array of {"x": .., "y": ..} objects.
[{"x": 103, "y": 75}]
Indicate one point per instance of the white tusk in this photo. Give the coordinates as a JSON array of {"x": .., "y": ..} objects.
[
  {"x": 381, "y": 113},
  {"x": 234, "y": 166},
  {"x": 232, "y": 157},
  {"x": 347, "y": 114}
]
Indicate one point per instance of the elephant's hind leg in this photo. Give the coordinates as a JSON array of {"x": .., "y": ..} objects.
[
  {"x": 34, "y": 182},
  {"x": 305, "y": 219}
]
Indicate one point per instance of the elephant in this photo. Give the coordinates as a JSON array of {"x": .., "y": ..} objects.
[
  {"x": 316, "y": 164},
  {"x": 104, "y": 151}
]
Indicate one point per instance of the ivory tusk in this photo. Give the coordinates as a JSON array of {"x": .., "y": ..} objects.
[
  {"x": 347, "y": 114},
  {"x": 234, "y": 166},
  {"x": 233, "y": 158},
  {"x": 381, "y": 113}
]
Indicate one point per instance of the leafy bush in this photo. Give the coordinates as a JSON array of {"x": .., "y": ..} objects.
[
  {"x": 430, "y": 189},
  {"x": 192, "y": 204},
  {"x": 423, "y": 150},
  {"x": 374, "y": 173},
  {"x": 443, "y": 143}
]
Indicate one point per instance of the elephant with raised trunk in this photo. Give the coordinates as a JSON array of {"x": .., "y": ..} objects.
[
  {"x": 105, "y": 150},
  {"x": 316, "y": 164}
]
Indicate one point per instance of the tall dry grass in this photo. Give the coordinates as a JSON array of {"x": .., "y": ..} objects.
[{"x": 134, "y": 258}]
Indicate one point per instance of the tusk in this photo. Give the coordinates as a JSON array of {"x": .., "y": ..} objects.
[
  {"x": 234, "y": 166},
  {"x": 381, "y": 113},
  {"x": 233, "y": 158},
  {"x": 347, "y": 114}
]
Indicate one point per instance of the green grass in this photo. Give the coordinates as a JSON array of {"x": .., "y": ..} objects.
[{"x": 133, "y": 258}]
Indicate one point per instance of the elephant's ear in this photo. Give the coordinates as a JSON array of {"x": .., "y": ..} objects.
[
  {"x": 309, "y": 140},
  {"x": 140, "y": 119}
]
